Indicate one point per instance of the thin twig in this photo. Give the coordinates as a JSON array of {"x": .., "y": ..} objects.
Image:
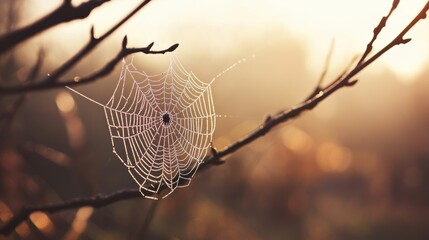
[
  {"x": 52, "y": 80},
  {"x": 64, "y": 13},
  {"x": 93, "y": 42},
  {"x": 95, "y": 201},
  {"x": 377, "y": 31},
  {"x": 346, "y": 81},
  {"x": 327, "y": 63},
  {"x": 105, "y": 70},
  {"x": 318, "y": 87},
  {"x": 103, "y": 200}
]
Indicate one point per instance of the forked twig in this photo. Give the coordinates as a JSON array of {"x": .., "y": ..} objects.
[
  {"x": 52, "y": 79},
  {"x": 105, "y": 70},
  {"x": 66, "y": 12},
  {"x": 377, "y": 31},
  {"x": 345, "y": 80}
]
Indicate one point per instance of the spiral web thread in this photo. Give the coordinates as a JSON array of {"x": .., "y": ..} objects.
[{"x": 161, "y": 125}]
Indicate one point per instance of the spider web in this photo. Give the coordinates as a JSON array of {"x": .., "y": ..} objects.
[{"x": 161, "y": 126}]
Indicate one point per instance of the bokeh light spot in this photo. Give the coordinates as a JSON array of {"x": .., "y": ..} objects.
[{"x": 65, "y": 102}]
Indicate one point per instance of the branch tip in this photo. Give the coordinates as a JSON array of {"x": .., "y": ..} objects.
[
  {"x": 351, "y": 83},
  {"x": 268, "y": 119},
  {"x": 406, "y": 40},
  {"x": 149, "y": 47},
  {"x": 395, "y": 4},
  {"x": 92, "y": 32},
  {"x": 124, "y": 42},
  {"x": 173, "y": 47}
]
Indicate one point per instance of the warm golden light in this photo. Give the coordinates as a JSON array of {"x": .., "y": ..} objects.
[
  {"x": 228, "y": 23},
  {"x": 42, "y": 222},
  {"x": 79, "y": 223},
  {"x": 82, "y": 216},
  {"x": 221, "y": 142},
  {"x": 352, "y": 166},
  {"x": 297, "y": 140},
  {"x": 65, "y": 102},
  {"x": 74, "y": 125},
  {"x": 333, "y": 158},
  {"x": 350, "y": 23}
]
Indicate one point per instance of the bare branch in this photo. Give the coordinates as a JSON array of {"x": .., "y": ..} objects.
[
  {"x": 398, "y": 39},
  {"x": 53, "y": 79},
  {"x": 377, "y": 31},
  {"x": 344, "y": 80},
  {"x": 64, "y": 13},
  {"x": 95, "y": 201},
  {"x": 93, "y": 42},
  {"x": 108, "y": 68}
]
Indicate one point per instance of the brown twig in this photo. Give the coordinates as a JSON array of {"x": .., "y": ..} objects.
[
  {"x": 105, "y": 70},
  {"x": 52, "y": 80},
  {"x": 64, "y": 13},
  {"x": 93, "y": 42},
  {"x": 94, "y": 201},
  {"x": 318, "y": 87},
  {"x": 377, "y": 31},
  {"x": 103, "y": 200}
]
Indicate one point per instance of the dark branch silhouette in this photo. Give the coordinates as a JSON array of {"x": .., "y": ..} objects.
[
  {"x": 346, "y": 79},
  {"x": 105, "y": 70},
  {"x": 66, "y": 12},
  {"x": 377, "y": 31},
  {"x": 52, "y": 79},
  {"x": 93, "y": 42}
]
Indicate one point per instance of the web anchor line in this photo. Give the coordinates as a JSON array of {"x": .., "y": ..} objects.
[{"x": 84, "y": 96}]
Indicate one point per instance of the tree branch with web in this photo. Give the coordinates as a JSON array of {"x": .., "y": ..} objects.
[{"x": 345, "y": 79}]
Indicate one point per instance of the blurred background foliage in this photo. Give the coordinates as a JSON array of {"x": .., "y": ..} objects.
[{"x": 353, "y": 168}]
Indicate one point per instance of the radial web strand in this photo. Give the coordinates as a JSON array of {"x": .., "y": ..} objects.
[{"x": 161, "y": 125}]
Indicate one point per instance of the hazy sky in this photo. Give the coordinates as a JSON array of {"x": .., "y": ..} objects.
[{"x": 218, "y": 26}]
